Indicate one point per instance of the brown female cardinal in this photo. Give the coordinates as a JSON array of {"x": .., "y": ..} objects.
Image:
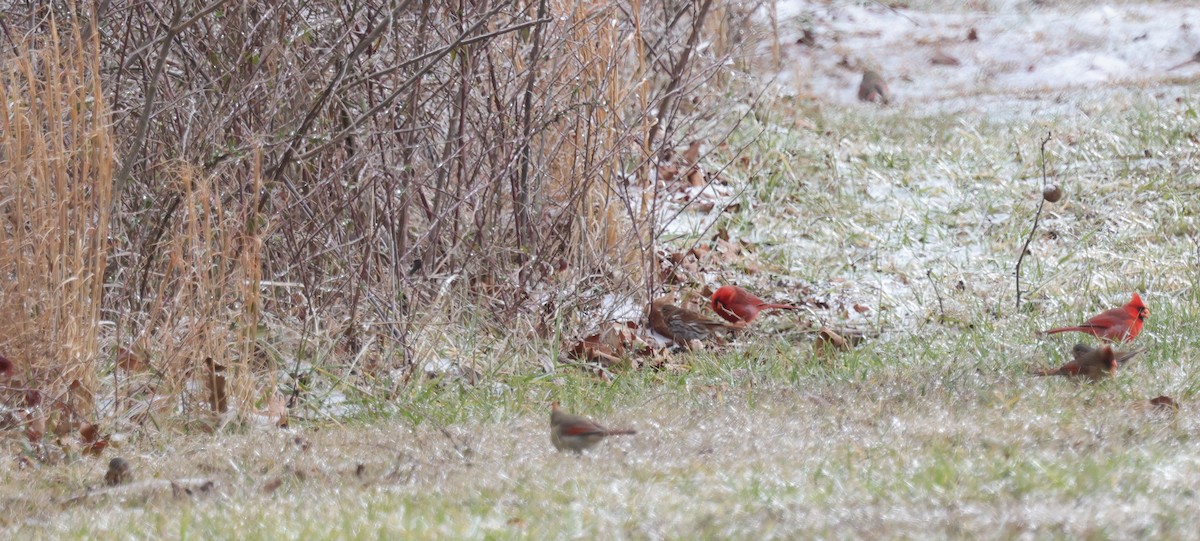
[
  {"x": 1122, "y": 357},
  {"x": 1094, "y": 365},
  {"x": 735, "y": 304},
  {"x": 576, "y": 433},
  {"x": 1119, "y": 324}
]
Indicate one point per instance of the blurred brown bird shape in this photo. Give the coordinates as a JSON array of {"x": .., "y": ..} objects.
[
  {"x": 686, "y": 325},
  {"x": 575, "y": 432},
  {"x": 119, "y": 472},
  {"x": 1094, "y": 365},
  {"x": 873, "y": 88},
  {"x": 735, "y": 304},
  {"x": 1122, "y": 357}
]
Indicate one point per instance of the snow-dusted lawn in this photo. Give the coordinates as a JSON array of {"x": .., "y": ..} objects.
[{"x": 1021, "y": 48}]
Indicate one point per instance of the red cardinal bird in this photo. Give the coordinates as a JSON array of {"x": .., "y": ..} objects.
[
  {"x": 1119, "y": 324},
  {"x": 1094, "y": 365},
  {"x": 686, "y": 325},
  {"x": 576, "y": 433},
  {"x": 735, "y": 304}
]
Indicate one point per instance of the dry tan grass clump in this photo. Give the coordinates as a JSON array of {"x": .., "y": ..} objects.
[{"x": 56, "y": 179}]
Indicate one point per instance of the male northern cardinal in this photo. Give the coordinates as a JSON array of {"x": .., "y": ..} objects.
[
  {"x": 1122, "y": 357},
  {"x": 577, "y": 433},
  {"x": 1094, "y": 365},
  {"x": 1119, "y": 324},
  {"x": 686, "y": 325},
  {"x": 735, "y": 304},
  {"x": 873, "y": 88}
]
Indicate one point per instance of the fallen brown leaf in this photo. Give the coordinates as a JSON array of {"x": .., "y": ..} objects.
[
  {"x": 93, "y": 442},
  {"x": 79, "y": 398},
  {"x": 729, "y": 252},
  {"x": 668, "y": 173},
  {"x": 129, "y": 361},
  {"x": 829, "y": 341},
  {"x": 218, "y": 400},
  {"x": 35, "y": 427},
  {"x": 807, "y": 38},
  {"x": 692, "y": 154},
  {"x": 277, "y": 410},
  {"x": 614, "y": 342},
  {"x": 33, "y": 398},
  {"x": 1164, "y": 403},
  {"x": 940, "y": 58},
  {"x": 272, "y": 485}
]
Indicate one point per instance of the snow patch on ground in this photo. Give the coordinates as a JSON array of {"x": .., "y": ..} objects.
[{"x": 1020, "y": 48}]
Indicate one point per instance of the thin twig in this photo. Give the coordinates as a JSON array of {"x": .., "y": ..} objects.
[
  {"x": 1036, "y": 217},
  {"x": 938, "y": 292},
  {"x": 122, "y": 177},
  {"x": 174, "y": 29},
  {"x": 521, "y": 182},
  {"x": 1197, "y": 243},
  {"x": 670, "y": 93},
  {"x": 897, "y": 12},
  {"x": 342, "y": 66},
  {"x": 387, "y": 100}
]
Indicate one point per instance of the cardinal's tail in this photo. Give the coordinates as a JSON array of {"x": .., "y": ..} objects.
[
  {"x": 1088, "y": 330},
  {"x": 621, "y": 432},
  {"x": 779, "y": 306}
]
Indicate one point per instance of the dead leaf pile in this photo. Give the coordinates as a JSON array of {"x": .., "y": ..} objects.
[{"x": 614, "y": 342}]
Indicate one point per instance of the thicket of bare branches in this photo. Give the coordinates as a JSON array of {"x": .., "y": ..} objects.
[{"x": 358, "y": 171}]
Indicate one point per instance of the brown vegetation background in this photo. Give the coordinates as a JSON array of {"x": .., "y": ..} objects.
[{"x": 206, "y": 204}]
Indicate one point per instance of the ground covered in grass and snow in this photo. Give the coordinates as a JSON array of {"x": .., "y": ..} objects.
[
  {"x": 932, "y": 429},
  {"x": 965, "y": 55}
]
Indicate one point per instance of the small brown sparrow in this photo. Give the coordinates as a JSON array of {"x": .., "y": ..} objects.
[
  {"x": 686, "y": 325},
  {"x": 873, "y": 88},
  {"x": 119, "y": 472}
]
